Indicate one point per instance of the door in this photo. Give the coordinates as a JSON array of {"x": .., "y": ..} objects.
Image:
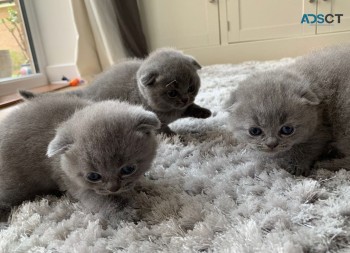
[
  {"x": 334, "y": 7},
  {"x": 182, "y": 23},
  {"x": 250, "y": 20}
]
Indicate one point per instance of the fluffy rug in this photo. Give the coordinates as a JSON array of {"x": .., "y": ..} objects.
[{"x": 204, "y": 193}]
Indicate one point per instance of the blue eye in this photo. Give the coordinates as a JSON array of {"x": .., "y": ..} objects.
[
  {"x": 127, "y": 170},
  {"x": 287, "y": 130},
  {"x": 255, "y": 131},
  {"x": 93, "y": 176}
]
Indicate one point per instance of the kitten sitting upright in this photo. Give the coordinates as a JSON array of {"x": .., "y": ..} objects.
[
  {"x": 296, "y": 114},
  {"x": 64, "y": 143},
  {"x": 166, "y": 82}
]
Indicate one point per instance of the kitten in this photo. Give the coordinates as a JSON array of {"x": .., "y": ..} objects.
[
  {"x": 64, "y": 143},
  {"x": 166, "y": 82},
  {"x": 299, "y": 113}
]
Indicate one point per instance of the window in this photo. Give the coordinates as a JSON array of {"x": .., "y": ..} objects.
[{"x": 21, "y": 56}]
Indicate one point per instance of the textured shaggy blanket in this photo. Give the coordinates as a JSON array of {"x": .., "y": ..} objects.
[{"x": 204, "y": 193}]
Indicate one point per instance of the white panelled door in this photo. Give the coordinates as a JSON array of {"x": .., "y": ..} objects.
[
  {"x": 334, "y": 7},
  {"x": 181, "y": 23},
  {"x": 251, "y": 20}
]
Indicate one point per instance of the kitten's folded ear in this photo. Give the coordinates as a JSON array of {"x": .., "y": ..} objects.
[
  {"x": 310, "y": 98},
  {"x": 194, "y": 62},
  {"x": 148, "y": 121},
  {"x": 148, "y": 78},
  {"x": 59, "y": 145},
  {"x": 231, "y": 101}
]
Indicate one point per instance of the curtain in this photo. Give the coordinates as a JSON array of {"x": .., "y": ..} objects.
[
  {"x": 130, "y": 26},
  {"x": 109, "y": 30}
]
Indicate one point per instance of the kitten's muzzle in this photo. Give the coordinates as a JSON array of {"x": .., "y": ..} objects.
[
  {"x": 113, "y": 188},
  {"x": 184, "y": 100},
  {"x": 271, "y": 143}
]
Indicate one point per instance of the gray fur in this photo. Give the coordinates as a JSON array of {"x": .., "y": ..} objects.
[
  {"x": 51, "y": 142},
  {"x": 312, "y": 95},
  {"x": 147, "y": 82}
]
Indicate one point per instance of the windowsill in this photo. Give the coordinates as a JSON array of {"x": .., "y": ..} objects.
[{"x": 12, "y": 99}]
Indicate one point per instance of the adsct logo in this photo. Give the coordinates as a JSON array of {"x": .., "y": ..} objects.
[{"x": 321, "y": 18}]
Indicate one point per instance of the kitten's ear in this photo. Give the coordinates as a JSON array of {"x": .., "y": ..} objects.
[
  {"x": 148, "y": 78},
  {"x": 231, "y": 101},
  {"x": 310, "y": 98},
  {"x": 148, "y": 121},
  {"x": 59, "y": 145},
  {"x": 194, "y": 62}
]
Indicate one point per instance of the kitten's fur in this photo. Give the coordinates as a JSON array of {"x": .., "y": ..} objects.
[
  {"x": 147, "y": 82},
  {"x": 312, "y": 96},
  {"x": 50, "y": 144}
]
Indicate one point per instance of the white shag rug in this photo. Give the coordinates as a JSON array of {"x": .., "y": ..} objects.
[{"x": 203, "y": 194}]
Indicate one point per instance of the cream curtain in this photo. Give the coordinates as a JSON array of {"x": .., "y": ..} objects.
[{"x": 99, "y": 42}]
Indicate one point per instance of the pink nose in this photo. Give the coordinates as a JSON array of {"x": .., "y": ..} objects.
[
  {"x": 272, "y": 145},
  {"x": 113, "y": 187}
]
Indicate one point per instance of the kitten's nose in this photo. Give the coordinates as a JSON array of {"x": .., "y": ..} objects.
[
  {"x": 272, "y": 143},
  {"x": 113, "y": 187},
  {"x": 184, "y": 100}
]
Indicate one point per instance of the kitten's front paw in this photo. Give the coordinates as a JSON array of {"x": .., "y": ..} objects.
[
  {"x": 5, "y": 211},
  {"x": 196, "y": 111},
  {"x": 334, "y": 165},
  {"x": 202, "y": 113},
  {"x": 298, "y": 170},
  {"x": 166, "y": 131}
]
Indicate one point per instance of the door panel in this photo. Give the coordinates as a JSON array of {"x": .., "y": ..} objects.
[
  {"x": 267, "y": 19},
  {"x": 334, "y": 7},
  {"x": 181, "y": 23}
]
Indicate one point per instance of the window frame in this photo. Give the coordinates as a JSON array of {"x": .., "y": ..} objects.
[{"x": 12, "y": 85}]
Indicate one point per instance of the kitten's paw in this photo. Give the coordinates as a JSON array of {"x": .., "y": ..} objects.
[
  {"x": 202, "y": 113},
  {"x": 299, "y": 170},
  {"x": 196, "y": 111},
  {"x": 334, "y": 165},
  {"x": 166, "y": 131},
  {"x": 5, "y": 211}
]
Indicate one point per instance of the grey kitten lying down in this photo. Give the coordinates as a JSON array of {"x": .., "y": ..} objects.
[
  {"x": 166, "y": 82},
  {"x": 64, "y": 143},
  {"x": 299, "y": 113}
]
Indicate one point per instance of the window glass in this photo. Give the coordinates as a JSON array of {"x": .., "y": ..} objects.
[{"x": 15, "y": 55}]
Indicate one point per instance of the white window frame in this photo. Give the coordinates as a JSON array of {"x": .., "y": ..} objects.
[{"x": 12, "y": 85}]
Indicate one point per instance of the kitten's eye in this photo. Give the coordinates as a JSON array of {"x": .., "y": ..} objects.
[
  {"x": 191, "y": 89},
  {"x": 93, "y": 176},
  {"x": 172, "y": 93},
  {"x": 287, "y": 130},
  {"x": 127, "y": 170},
  {"x": 255, "y": 131}
]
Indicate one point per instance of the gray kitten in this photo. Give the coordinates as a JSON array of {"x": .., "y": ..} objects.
[
  {"x": 166, "y": 82},
  {"x": 64, "y": 143},
  {"x": 297, "y": 114}
]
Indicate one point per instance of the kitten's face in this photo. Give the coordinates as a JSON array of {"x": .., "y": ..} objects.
[
  {"x": 110, "y": 165},
  {"x": 110, "y": 152},
  {"x": 271, "y": 114},
  {"x": 169, "y": 80}
]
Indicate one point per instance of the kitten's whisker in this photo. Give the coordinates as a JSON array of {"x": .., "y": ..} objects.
[{"x": 173, "y": 81}]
